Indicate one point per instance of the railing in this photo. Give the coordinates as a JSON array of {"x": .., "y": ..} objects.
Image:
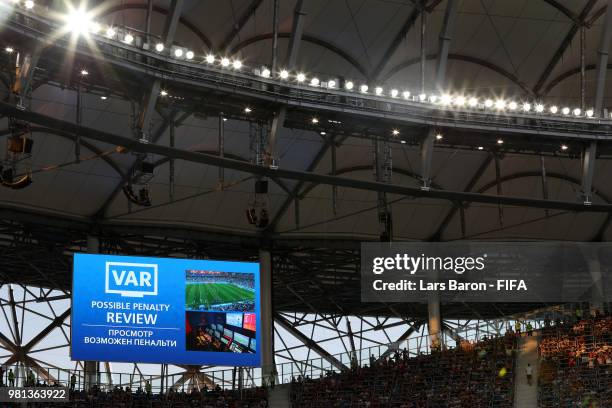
[
  {"x": 194, "y": 74},
  {"x": 235, "y": 378}
]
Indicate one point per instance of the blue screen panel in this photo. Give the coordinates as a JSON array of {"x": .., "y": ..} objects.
[{"x": 160, "y": 310}]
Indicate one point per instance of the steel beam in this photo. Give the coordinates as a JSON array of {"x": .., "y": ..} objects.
[
  {"x": 174, "y": 119},
  {"x": 396, "y": 42},
  {"x": 279, "y": 119},
  {"x": 427, "y": 146},
  {"x": 567, "y": 41},
  {"x": 588, "y": 169},
  {"x": 465, "y": 58},
  {"x": 309, "y": 39},
  {"x": 214, "y": 160},
  {"x": 275, "y": 18},
  {"x": 298, "y": 187},
  {"x": 250, "y": 12},
  {"x": 150, "y": 98},
  {"x": 602, "y": 61},
  {"x": 285, "y": 324},
  {"x": 437, "y": 236},
  {"x": 144, "y": 6}
]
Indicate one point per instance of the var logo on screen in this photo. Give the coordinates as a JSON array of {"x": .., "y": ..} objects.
[{"x": 131, "y": 279}]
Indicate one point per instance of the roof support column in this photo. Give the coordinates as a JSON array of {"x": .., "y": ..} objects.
[
  {"x": 266, "y": 344},
  {"x": 602, "y": 61},
  {"x": 150, "y": 98},
  {"x": 275, "y": 38},
  {"x": 588, "y": 168},
  {"x": 434, "y": 322},
  {"x": 445, "y": 39},
  {"x": 279, "y": 118},
  {"x": 221, "y": 148},
  {"x": 92, "y": 368}
]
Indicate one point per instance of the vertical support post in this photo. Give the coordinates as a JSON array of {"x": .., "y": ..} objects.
[
  {"x": 427, "y": 147},
  {"x": 333, "y": 171},
  {"x": 148, "y": 22},
  {"x": 79, "y": 119},
  {"x": 92, "y": 368},
  {"x": 498, "y": 186},
  {"x": 279, "y": 119},
  {"x": 221, "y": 143},
  {"x": 171, "y": 127},
  {"x": 275, "y": 37},
  {"x": 266, "y": 345},
  {"x": 443, "y": 49},
  {"x": 445, "y": 40},
  {"x": 582, "y": 67},
  {"x": 435, "y": 321},
  {"x": 423, "y": 43},
  {"x": 588, "y": 168},
  {"x": 602, "y": 62},
  {"x": 544, "y": 182}
]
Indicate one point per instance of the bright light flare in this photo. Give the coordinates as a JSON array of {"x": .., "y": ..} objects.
[{"x": 78, "y": 21}]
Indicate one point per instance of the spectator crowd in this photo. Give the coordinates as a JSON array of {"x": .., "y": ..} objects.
[{"x": 471, "y": 375}]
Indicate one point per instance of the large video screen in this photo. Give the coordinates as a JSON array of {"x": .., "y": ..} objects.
[{"x": 163, "y": 310}]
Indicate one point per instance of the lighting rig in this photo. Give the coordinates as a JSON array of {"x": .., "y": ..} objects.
[{"x": 81, "y": 22}]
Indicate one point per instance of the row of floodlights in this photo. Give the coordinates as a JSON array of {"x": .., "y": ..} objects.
[{"x": 78, "y": 21}]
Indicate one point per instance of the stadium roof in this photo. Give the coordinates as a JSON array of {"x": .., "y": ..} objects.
[{"x": 522, "y": 50}]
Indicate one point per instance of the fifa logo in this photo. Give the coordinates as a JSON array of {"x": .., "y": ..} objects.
[{"x": 131, "y": 279}]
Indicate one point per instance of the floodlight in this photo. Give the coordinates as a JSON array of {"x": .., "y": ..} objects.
[
  {"x": 78, "y": 21},
  {"x": 500, "y": 104}
]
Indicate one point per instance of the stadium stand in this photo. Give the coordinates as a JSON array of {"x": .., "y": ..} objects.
[
  {"x": 127, "y": 398},
  {"x": 576, "y": 363},
  {"x": 473, "y": 374}
]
